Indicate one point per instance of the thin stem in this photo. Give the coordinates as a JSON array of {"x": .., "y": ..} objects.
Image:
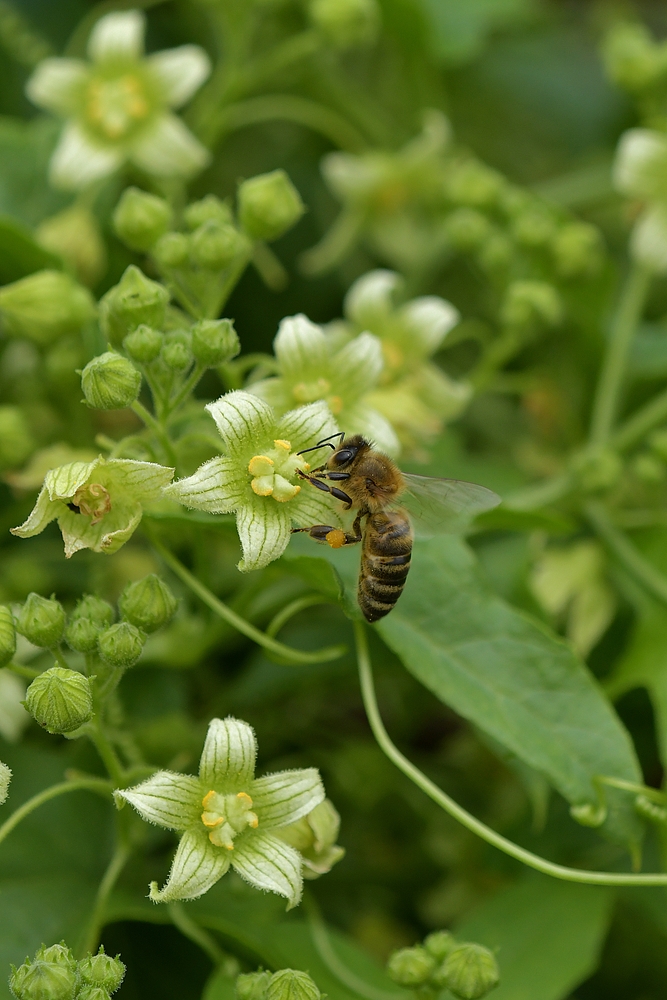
[
  {"x": 99, "y": 785},
  {"x": 117, "y": 863},
  {"x": 196, "y": 933},
  {"x": 187, "y": 387},
  {"x": 497, "y": 354},
  {"x": 157, "y": 429},
  {"x": 334, "y": 245},
  {"x": 294, "y": 656},
  {"x": 299, "y": 110},
  {"x": 269, "y": 268},
  {"x": 626, "y": 553},
  {"x": 641, "y": 422},
  {"x": 107, "y": 753},
  {"x": 59, "y": 657},
  {"x": 462, "y": 815},
  {"x": 624, "y": 326},
  {"x": 28, "y": 672},
  {"x": 284, "y": 615},
  {"x": 541, "y": 494}
]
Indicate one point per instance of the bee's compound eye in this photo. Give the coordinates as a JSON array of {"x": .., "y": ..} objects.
[{"x": 343, "y": 456}]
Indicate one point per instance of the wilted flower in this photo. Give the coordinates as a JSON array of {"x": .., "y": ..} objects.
[
  {"x": 314, "y": 836},
  {"x": 118, "y": 106}
]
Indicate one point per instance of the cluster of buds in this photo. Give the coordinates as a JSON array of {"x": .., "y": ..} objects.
[
  {"x": 469, "y": 971},
  {"x": 635, "y": 61},
  {"x": 286, "y": 984},
  {"x": 345, "y": 23},
  {"x": 55, "y": 974}
]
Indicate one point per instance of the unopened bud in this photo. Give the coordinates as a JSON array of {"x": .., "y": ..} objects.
[
  {"x": 16, "y": 440},
  {"x": 95, "y": 608},
  {"x": 631, "y": 57},
  {"x": 597, "y": 468},
  {"x": 133, "y": 301},
  {"x": 411, "y": 966},
  {"x": 290, "y": 984},
  {"x": 252, "y": 985},
  {"x": 5, "y": 779},
  {"x": 268, "y": 205},
  {"x": 473, "y": 184},
  {"x": 148, "y": 603},
  {"x": 52, "y": 978},
  {"x": 93, "y": 993},
  {"x": 45, "y": 306},
  {"x": 176, "y": 352},
  {"x": 102, "y": 970},
  {"x": 528, "y": 302},
  {"x": 7, "y": 635},
  {"x": 467, "y": 228},
  {"x": 496, "y": 252},
  {"x": 213, "y": 246},
  {"x": 172, "y": 250},
  {"x": 74, "y": 234},
  {"x": 534, "y": 227},
  {"x": 141, "y": 218},
  {"x": 143, "y": 344},
  {"x": 209, "y": 209},
  {"x": 214, "y": 341},
  {"x": 577, "y": 249},
  {"x": 110, "y": 382},
  {"x": 81, "y": 635},
  {"x": 439, "y": 944},
  {"x": 470, "y": 971},
  {"x": 60, "y": 700},
  {"x": 346, "y": 22},
  {"x": 121, "y": 645},
  {"x": 41, "y": 621},
  {"x": 57, "y": 954}
]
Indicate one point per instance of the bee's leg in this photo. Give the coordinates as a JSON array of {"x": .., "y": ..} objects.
[
  {"x": 335, "y": 537},
  {"x": 338, "y": 494},
  {"x": 334, "y": 476}
]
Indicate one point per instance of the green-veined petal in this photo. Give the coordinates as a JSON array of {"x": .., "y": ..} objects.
[
  {"x": 197, "y": 866},
  {"x": 307, "y": 426},
  {"x": 264, "y": 527},
  {"x": 284, "y": 797},
  {"x": 266, "y": 862},
  {"x": 369, "y": 300},
  {"x": 217, "y": 487},
  {"x": 78, "y": 161},
  {"x": 245, "y": 423},
  {"x": 44, "y": 511},
  {"x": 107, "y": 536},
  {"x": 228, "y": 759},
  {"x": 358, "y": 366},
  {"x": 429, "y": 319},
  {"x": 166, "y": 799},
  {"x": 167, "y": 148},
  {"x": 301, "y": 348}
]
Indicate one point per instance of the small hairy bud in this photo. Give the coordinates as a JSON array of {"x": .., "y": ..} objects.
[
  {"x": 252, "y": 985},
  {"x": 470, "y": 971},
  {"x": 209, "y": 209},
  {"x": 60, "y": 700},
  {"x": 143, "y": 344},
  {"x": 121, "y": 644},
  {"x": 133, "y": 301},
  {"x": 411, "y": 966},
  {"x": 268, "y": 205},
  {"x": 141, "y": 218},
  {"x": 81, "y": 635},
  {"x": 290, "y": 984},
  {"x": 346, "y": 22},
  {"x": 93, "y": 993},
  {"x": 467, "y": 228},
  {"x": 44, "y": 306},
  {"x": 50, "y": 976},
  {"x": 41, "y": 621},
  {"x": 110, "y": 382},
  {"x": 16, "y": 440},
  {"x": 172, "y": 250},
  {"x": 7, "y": 635},
  {"x": 147, "y": 603},
  {"x": 577, "y": 249},
  {"x": 439, "y": 944},
  {"x": 215, "y": 245},
  {"x": 176, "y": 352},
  {"x": 214, "y": 341},
  {"x": 102, "y": 970},
  {"x": 57, "y": 954},
  {"x": 95, "y": 608},
  {"x": 5, "y": 779}
]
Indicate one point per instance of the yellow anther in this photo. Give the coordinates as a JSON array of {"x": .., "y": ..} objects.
[
  {"x": 283, "y": 445},
  {"x": 262, "y": 486},
  {"x": 335, "y": 404},
  {"x": 260, "y": 465},
  {"x": 206, "y": 801},
  {"x": 211, "y": 819},
  {"x": 245, "y": 799},
  {"x": 253, "y": 823}
]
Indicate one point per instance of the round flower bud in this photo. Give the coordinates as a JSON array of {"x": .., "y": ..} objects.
[
  {"x": 346, "y": 22},
  {"x": 44, "y": 978},
  {"x": 473, "y": 184},
  {"x": 528, "y": 302},
  {"x": 209, "y": 209},
  {"x": 93, "y": 993},
  {"x": 141, "y": 218},
  {"x": 470, "y": 971},
  {"x": 411, "y": 966},
  {"x": 102, "y": 970},
  {"x": 290, "y": 984},
  {"x": 41, "y": 621},
  {"x": 577, "y": 249},
  {"x": 172, "y": 250},
  {"x": 534, "y": 227},
  {"x": 467, "y": 228},
  {"x": 147, "y": 603},
  {"x": 252, "y": 985},
  {"x": 16, "y": 440},
  {"x": 60, "y": 700},
  {"x": 81, "y": 635},
  {"x": 121, "y": 644},
  {"x": 44, "y": 306},
  {"x": 74, "y": 235},
  {"x": 439, "y": 944},
  {"x": 268, "y": 205},
  {"x": 597, "y": 469},
  {"x": 214, "y": 341},
  {"x": 133, "y": 301},
  {"x": 110, "y": 382},
  {"x": 96, "y": 609},
  {"x": 176, "y": 352},
  {"x": 143, "y": 344},
  {"x": 631, "y": 57},
  {"x": 214, "y": 246},
  {"x": 57, "y": 954},
  {"x": 5, "y": 779},
  {"x": 7, "y": 635}
]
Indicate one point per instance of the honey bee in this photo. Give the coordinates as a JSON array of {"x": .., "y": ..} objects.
[{"x": 375, "y": 487}]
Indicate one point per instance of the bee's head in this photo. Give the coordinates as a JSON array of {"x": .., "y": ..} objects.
[{"x": 348, "y": 450}]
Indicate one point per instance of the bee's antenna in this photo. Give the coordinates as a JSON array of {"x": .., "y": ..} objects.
[{"x": 325, "y": 443}]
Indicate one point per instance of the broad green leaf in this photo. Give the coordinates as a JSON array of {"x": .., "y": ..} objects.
[
  {"x": 459, "y": 30},
  {"x": 20, "y": 255},
  {"x": 505, "y": 672},
  {"x": 548, "y": 935},
  {"x": 25, "y": 150}
]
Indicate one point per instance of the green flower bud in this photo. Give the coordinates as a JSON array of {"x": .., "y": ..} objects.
[
  {"x": 252, "y": 985},
  {"x": 268, "y": 205},
  {"x": 143, "y": 344},
  {"x": 121, "y": 645},
  {"x": 496, "y": 252},
  {"x": 41, "y": 621},
  {"x": 133, "y": 301},
  {"x": 534, "y": 227},
  {"x": 473, "y": 184},
  {"x": 60, "y": 700},
  {"x": 214, "y": 246},
  {"x": 439, "y": 944},
  {"x": 658, "y": 442},
  {"x": 290, "y": 984},
  {"x": 110, "y": 382},
  {"x": 346, "y": 22},
  {"x": 7, "y": 635},
  {"x": 411, "y": 966},
  {"x": 74, "y": 234},
  {"x": 16, "y": 440},
  {"x": 528, "y": 302},
  {"x": 5, "y": 779},
  {"x": 148, "y": 603},
  {"x": 172, "y": 250},
  {"x": 631, "y": 57},
  {"x": 45, "y": 306},
  {"x": 471, "y": 971},
  {"x": 93, "y": 993},
  {"x": 597, "y": 469},
  {"x": 102, "y": 970},
  {"x": 176, "y": 352},
  {"x": 96, "y": 609},
  {"x": 50, "y": 976},
  {"x": 81, "y": 635},
  {"x": 209, "y": 209},
  {"x": 214, "y": 341},
  {"x": 648, "y": 468},
  {"x": 141, "y": 218},
  {"x": 577, "y": 249},
  {"x": 467, "y": 228},
  {"x": 57, "y": 954}
]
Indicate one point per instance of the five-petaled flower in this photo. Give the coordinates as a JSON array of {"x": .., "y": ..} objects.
[
  {"x": 98, "y": 504},
  {"x": 257, "y": 476},
  {"x": 117, "y": 108},
  {"x": 226, "y": 816}
]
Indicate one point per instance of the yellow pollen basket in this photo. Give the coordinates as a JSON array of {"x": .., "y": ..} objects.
[
  {"x": 271, "y": 473},
  {"x": 226, "y": 816}
]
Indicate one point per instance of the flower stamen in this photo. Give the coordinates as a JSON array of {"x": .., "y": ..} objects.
[
  {"x": 93, "y": 500},
  {"x": 226, "y": 816}
]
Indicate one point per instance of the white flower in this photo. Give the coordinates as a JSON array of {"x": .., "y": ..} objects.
[
  {"x": 118, "y": 107},
  {"x": 640, "y": 171}
]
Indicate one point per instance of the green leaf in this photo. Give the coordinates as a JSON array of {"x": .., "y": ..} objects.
[
  {"x": 459, "y": 30},
  {"x": 548, "y": 935},
  {"x": 25, "y": 151},
  {"x": 20, "y": 254}
]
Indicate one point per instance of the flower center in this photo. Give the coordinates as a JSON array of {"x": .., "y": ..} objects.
[
  {"x": 93, "y": 500},
  {"x": 115, "y": 105},
  {"x": 271, "y": 473},
  {"x": 225, "y": 816},
  {"x": 310, "y": 392}
]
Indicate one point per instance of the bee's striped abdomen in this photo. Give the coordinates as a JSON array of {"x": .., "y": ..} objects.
[{"x": 385, "y": 562}]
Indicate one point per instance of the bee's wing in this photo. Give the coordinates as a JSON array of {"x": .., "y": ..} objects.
[{"x": 444, "y": 505}]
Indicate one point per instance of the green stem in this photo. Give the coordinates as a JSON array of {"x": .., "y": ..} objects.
[
  {"x": 294, "y": 656},
  {"x": 157, "y": 429},
  {"x": 641, "y": 422},
  {"x": 496, "y": 355},
  {"x": 196, "y": 933},
  {"x": 28, "y": 672},
  {"x": 99, "y": 785},
  {"x": 462, "y": 815},
  {"x": 185, "y": 390},
  {"x": 107, "y": 753},
  {"x": 629, "y": 557},
  {"x": 284, "y": 615},
  {"x": 299, "y": 110},
  {"x": 624, "y": 326},
  {"x": 117, "y": 863},
  {"x": 59, "y": 657},
  {"x": 541, "y": 494},
  {"x": 335, "y": 244},
  {"x": 269, "y": 268}
]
